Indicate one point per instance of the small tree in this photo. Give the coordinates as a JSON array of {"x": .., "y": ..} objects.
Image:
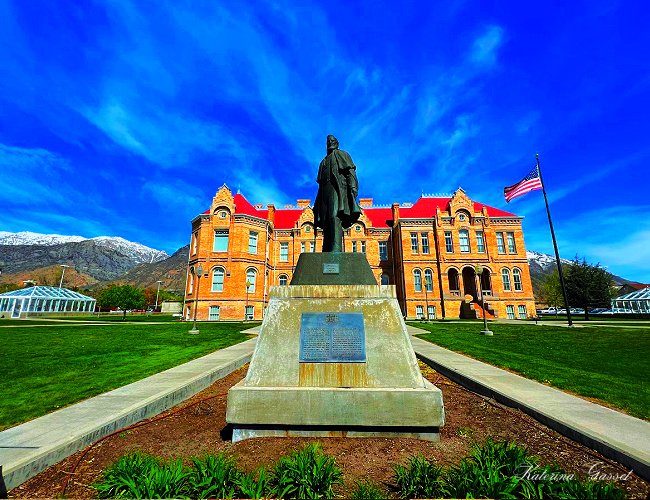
[
  {"x": 587, "y": 285},
  {"x": 122, "y": 296},
  {"x": 550, "y": 291}
]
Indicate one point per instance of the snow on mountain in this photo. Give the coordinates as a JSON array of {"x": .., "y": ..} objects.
[
  {"x": 136, "y": 251},
  {"x": 29, "y": 238},
  {"x": 543, "y": 260}
]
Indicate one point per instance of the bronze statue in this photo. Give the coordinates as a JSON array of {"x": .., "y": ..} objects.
[{"x": 336, "y": 204}]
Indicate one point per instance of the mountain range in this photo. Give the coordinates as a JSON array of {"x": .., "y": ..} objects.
[{"x": 96, "y": 261}]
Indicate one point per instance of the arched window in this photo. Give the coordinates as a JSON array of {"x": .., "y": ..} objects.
[
  {"x": 417, "y": 280},
  {"x": 385, "y": 280},
  {"x": 428, "y": 280},
  {"x": 516, "y": 277},
  {"x": 505, "y": 275},
  {"x": 190, "y": 286},
  {"x": 217, "y": 279},
  {"x": 251, "y": 277},
  {"x": 283, "y": 279}
]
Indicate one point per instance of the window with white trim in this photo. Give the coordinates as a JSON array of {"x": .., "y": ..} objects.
[
  {"x": 220, "y": 241},
  {"x": 383, "y": 250},
  {"x": 363, "y": 247},
  {"x": 431, "y": 312},
  {"x": 190, "y": 286},
  {"x": 283, "y": 280},
  {"x": 414, "y": 243},
  {"x": 428, "y": 280},
  {"x": 505, "y": 276},
  {"x": 217, "y": 279},
  {"x": 419, "y": 312},
  {"x": 501, "y": 248},
  {"x": 303, "y": 247},
  {"x": 463, "y": 237},
  {"x": 510, "y": 312},
  {"x": 510, "y": 237},
  {"x": 252, "y": 242},
  {"x": 516, "y": 278},
  {"x": 424, "y": 238},
  {"x": 195, "y": 242},
  {"x": 354, "y": 247},
  {"x": 215, "y": 312},
  {"x": 250, "y": 312},
  {"x": 449, "y": 242},
  {"x": 251, "y": 278},
  {"x": 284, "y": 251},
  {"x": 417, "y": 280},
  {"x": 522, "y": 312},
  {"x": 480, "y": 242}
]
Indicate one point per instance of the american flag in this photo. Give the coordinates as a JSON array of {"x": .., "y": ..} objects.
[{"x": 526, "y": 185}]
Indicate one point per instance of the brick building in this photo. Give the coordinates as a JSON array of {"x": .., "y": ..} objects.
[{"x": 429, "y": 250}]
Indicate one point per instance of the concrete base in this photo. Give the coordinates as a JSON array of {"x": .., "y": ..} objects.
[
  {"x": 425, "y": 434},
  {"x": 383, "y": 395}
]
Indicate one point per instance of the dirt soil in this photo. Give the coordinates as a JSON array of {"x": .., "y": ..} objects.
[{"x": 198, "y": 426}]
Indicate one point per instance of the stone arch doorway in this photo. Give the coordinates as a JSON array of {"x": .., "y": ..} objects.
[{"x": 469, "y": 283}]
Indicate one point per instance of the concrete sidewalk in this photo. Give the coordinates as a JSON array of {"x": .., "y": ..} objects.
[
  {"x": 616, "y": 435},
  {"x": 27, "y": 449}
]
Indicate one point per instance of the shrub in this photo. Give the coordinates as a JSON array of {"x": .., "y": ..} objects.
[
  {"x": 138, "y": 475},
  {"x": 213, "y": 476},
  {"x": 250, "y": 487},
  {"x": 367, "y": 490},
  {"x": 418, "y": 479},
  {"x": 306, "y": 473}
]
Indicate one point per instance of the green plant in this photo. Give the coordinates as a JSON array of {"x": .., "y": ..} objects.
[
  {"x": 213, "y": 476},
  {"x": 367, "y": 490},
  {"x": 306, "y": 473},
  {"x": 252, "y": 487},
  {"x": 419, "y": 478},
  {"x": 139, "y": 475}
]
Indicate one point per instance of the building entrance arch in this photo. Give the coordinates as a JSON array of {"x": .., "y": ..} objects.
[{"x": 469, "y": 283}]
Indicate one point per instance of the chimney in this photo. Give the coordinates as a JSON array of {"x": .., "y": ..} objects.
[
  {"x": 271, "y": 215},
  {"x": 303, "y": 203},
  {"x": 395, "y": 210},
  {"x": 365, "y": 202}
]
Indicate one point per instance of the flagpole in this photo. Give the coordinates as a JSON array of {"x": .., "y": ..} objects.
[{"x": 557, "y": 254}]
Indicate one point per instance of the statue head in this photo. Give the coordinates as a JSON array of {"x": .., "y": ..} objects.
[{"x": 332, "y": 143}]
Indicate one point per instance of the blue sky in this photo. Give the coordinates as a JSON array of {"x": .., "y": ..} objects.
[{"x": 124, "y": 118}]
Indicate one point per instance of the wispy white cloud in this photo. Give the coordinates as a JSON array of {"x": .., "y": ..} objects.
[{"x": 485, "y": 48}]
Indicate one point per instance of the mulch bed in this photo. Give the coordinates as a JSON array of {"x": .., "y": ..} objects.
[{"x": 197, "y": 426}]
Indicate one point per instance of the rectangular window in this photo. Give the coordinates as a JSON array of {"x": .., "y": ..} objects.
[
  {"x": 363, "y": 247},
  {"x": 220, "y": 241},
  {"x": 311, "y": 247},
  {"x": 449, "y": 242},
  {"x": 511, "y": 243},
  {"x": 252, "y": 242},
  {"x": 190, "y": 286},
  {"x": 284, "y": 251},
  {"x": 510, "y": 312},
  {"x": 303, "y": 247},
  {"x": 354, "y": 247},
  {"x": 414, "y": 243},
  {"x": 419, "y": 312},
  {"x": 250, "y": 312},
  {"x": 500, "y": 246},
  {"x": 480, "y": 242},
  {"x": 431, "y": 312},
  {"x": 195, "y": 242},
  {"x": 425, "y": 242},
  {"x": 383, "y": 250},
  {"x": 217, "y": 280},
  {"x": 214, "y": 313},
  {"x": 463, "y": 237},
  {"x": 522, "y": 312}
]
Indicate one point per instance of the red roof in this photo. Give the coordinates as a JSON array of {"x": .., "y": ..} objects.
[{"x": 425, "y": 207}]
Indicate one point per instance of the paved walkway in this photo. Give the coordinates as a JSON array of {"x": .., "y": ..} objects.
[
  {"x": 618, "y": 436},
  {"x": 27, "y": 449}
]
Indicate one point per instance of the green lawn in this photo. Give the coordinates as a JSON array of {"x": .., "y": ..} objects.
[
  {"x": 46, "y": 368},
  {"x": 604, "y": 362}
]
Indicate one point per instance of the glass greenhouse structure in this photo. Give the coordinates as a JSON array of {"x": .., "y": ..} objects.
[
  {"x": 44, "y": 299},
  {"x": 634, "y": 302}
]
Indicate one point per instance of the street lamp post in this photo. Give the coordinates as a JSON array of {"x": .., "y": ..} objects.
[
  {"x": 155, "y": 308},
  {"x": 479, "y": 271},
  {"x": 199, "y": 273},
  {"x": 248, "y": 284},
  {"x": 62, "y": 274}
]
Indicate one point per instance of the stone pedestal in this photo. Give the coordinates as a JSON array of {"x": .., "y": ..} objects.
[{"x": 385, "y": 395}]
